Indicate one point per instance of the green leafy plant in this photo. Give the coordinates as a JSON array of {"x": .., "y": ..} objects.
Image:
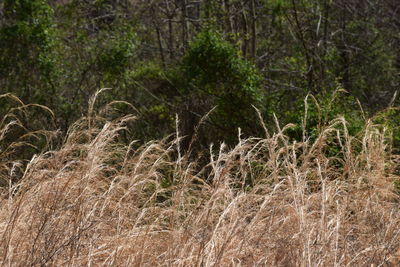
[
  {"x": 216, "y": 74},
  {"x": 28, "y": 37}
]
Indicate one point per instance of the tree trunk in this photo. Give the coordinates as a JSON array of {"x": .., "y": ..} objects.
[{"x": 253, "y": 29}]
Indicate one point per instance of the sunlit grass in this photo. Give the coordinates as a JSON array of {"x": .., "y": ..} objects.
[{"x": 265, "y": 202}]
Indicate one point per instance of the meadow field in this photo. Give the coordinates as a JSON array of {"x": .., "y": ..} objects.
[{"x": 267, "y": 201}]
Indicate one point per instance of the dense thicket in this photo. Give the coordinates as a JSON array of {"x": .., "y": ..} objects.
[{"x": 184, "y": 57}]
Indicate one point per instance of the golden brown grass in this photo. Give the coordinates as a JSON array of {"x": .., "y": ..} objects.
[{"x": 266, "y": 202}]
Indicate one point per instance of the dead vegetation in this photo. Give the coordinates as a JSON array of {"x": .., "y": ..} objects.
[{"x": 266, "y": 202}]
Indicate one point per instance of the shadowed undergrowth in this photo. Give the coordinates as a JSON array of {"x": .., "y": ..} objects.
[{"x": 265, "y": 202}]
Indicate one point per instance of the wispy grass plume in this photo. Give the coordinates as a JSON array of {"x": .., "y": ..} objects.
[{"x": 266, "y": 202}]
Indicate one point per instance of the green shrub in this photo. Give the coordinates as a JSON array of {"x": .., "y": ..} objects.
[{"x": 215, "y": 74}]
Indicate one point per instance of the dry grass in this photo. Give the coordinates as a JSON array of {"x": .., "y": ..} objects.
[{"x": 266, "y": 202}]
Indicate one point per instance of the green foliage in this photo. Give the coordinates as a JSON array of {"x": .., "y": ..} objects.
[
  {"x": 366, "y": 67},
  {"x": 28, "y": 37},
  {"x": 115, "y": 57},
  {"x": 390, "y": 118},
  {"x": 319, "y": 111},
  {"x": 148, "y": 87},
  {"x": 213, "y": 70},
  {"x": 99, "y": 49}
]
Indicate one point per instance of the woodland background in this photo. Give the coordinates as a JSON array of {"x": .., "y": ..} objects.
[{"x": 169, "y": 59}]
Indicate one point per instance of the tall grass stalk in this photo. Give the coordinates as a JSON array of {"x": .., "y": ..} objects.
[{"x": 266, "y": 202}]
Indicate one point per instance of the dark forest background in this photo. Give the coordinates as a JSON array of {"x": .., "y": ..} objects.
[{"x": 169, "y": 59}]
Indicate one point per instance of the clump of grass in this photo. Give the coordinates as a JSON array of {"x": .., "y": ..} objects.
[
  {"x": 266, "y": 202},
  {"x": 18, "y": 140}
]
